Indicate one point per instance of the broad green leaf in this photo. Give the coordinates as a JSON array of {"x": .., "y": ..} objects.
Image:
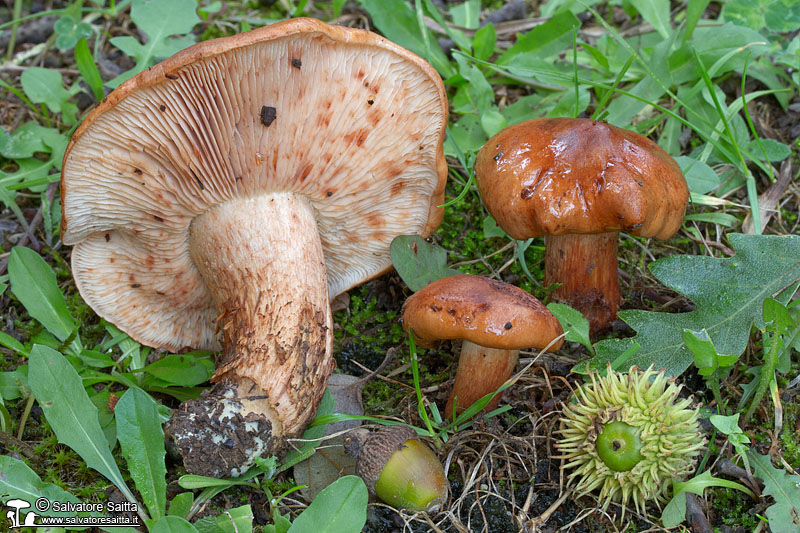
[
  {"x": 73, "y": 417},
  {"x": 142, "y": 442},
  {"x": 656, "y": 12},
  {"x": 484, "y": 42},
  {"x": 340, "y": 508},
  {"x": 172, "y": 524},
  {"x": 397, "y": 21},
  {"x": 181, "y": 504},
  {"x": 34, "y": 283},
  {"x": 161, "y": 21},
  {"x": 105, "y": 416},
  {"x": 779, "y": 16},
  {"x": 573, "y": 322},
  {"x": 675, "y": 511},
  {"x": 492, "y": 121},
  {"x": 776, "y": 150},
  {"x": 418, "y": 262},
  {"x": 467, "y": 14},
  {"x": 545, "y": 39},
  {"x": 14, "y": 384},
  {"x": 491, "y": 229},
  {"x": 784, "y": 514},
  {"x": 17, "y": 480},
  {"x": 728, "y": 293},
  {"x": 25, "y": 141},
  {"x": 706, "y": 358},
  {"x": 45, "y": 86},
  {"x": 238, "y": 520},
  {"x": 186, "y": 370},
  {"x": 700, "y": 177}
]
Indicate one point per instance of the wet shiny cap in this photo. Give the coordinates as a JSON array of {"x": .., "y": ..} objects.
[
  {"x": 557, "y": 176},
  {"x": 484, "y": 311}
]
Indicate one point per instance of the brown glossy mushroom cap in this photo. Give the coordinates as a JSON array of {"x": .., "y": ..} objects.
[
  {"x": 339, "y": 116},
  {"x": 486, "y": 312},
  {"x": 557, "y": 176}
]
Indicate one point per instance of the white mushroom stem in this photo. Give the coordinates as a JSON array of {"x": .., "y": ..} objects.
[
  {"x": 262, "y": 261},
  {"x": 481, "y": 371}
]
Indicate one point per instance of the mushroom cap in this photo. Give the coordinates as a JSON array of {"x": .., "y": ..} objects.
[
  {"x": 484, "y": 311},
  {"x": 341, "y": 116},
  {"x": 556, "y": 176}
]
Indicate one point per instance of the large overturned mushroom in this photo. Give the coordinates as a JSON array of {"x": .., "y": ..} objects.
[
  {"x": 219, "y": 199},
  {"x": 580, "y": 182}
]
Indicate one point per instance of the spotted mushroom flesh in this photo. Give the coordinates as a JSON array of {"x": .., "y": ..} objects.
[
  {"x": 220, "y": 199},
  {"x": 579, "y": 182}
]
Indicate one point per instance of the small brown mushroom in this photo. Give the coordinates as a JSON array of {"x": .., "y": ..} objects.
[
  {"x": 493, "y": 319},
  {"x": 580, "y": 182},
  {"x": 220, "y": 199}
]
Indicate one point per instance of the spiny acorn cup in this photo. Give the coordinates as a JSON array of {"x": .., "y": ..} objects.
[
  {"x": 398, "y": 468},
  {"x": 629, "y": 435}
]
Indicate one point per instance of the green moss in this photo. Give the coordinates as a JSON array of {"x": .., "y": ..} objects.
[{"x": 733, "y": 509}]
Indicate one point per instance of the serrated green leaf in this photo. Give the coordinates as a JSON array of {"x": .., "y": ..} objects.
[
  {"x": 341, "y": 507},
  {"x": 419, "y": 262},
  {"x": 59, "y": 391},
  {"x": 142, "y": 442},
  {"x": 34, "y": 283},
  {"x": 161, "y": 21},
  {"x": 784, "y": 514},
  {"x": 728, "y": 293}
]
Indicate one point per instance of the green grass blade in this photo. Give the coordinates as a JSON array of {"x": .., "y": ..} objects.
[
  {"x": 88, "y": 69},
  {"x": 752, "y": 193}
]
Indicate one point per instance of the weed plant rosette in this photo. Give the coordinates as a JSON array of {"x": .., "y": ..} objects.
[{"x": 629, "y": 435}]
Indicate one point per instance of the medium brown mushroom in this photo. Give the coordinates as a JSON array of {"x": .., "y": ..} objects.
[
  {"x": 220, "y": 199},
  {"x": 493, "y": 319},
  {"x": 580, "y": 182}
]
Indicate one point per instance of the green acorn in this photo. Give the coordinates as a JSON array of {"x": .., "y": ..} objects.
[
  {"x": 629, "y": 435},
  {"x": 398, "y": 468}
]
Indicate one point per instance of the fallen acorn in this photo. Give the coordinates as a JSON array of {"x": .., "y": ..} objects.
[
  {"x": 398, "y": 468},
  {"x": 629, "y": 435}
]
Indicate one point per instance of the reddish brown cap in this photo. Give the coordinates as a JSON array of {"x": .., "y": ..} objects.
[
  {"x": 555, "y": 176},
  {"x": 484, "y": 311},
  {"x": 341, "y": 116}
]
